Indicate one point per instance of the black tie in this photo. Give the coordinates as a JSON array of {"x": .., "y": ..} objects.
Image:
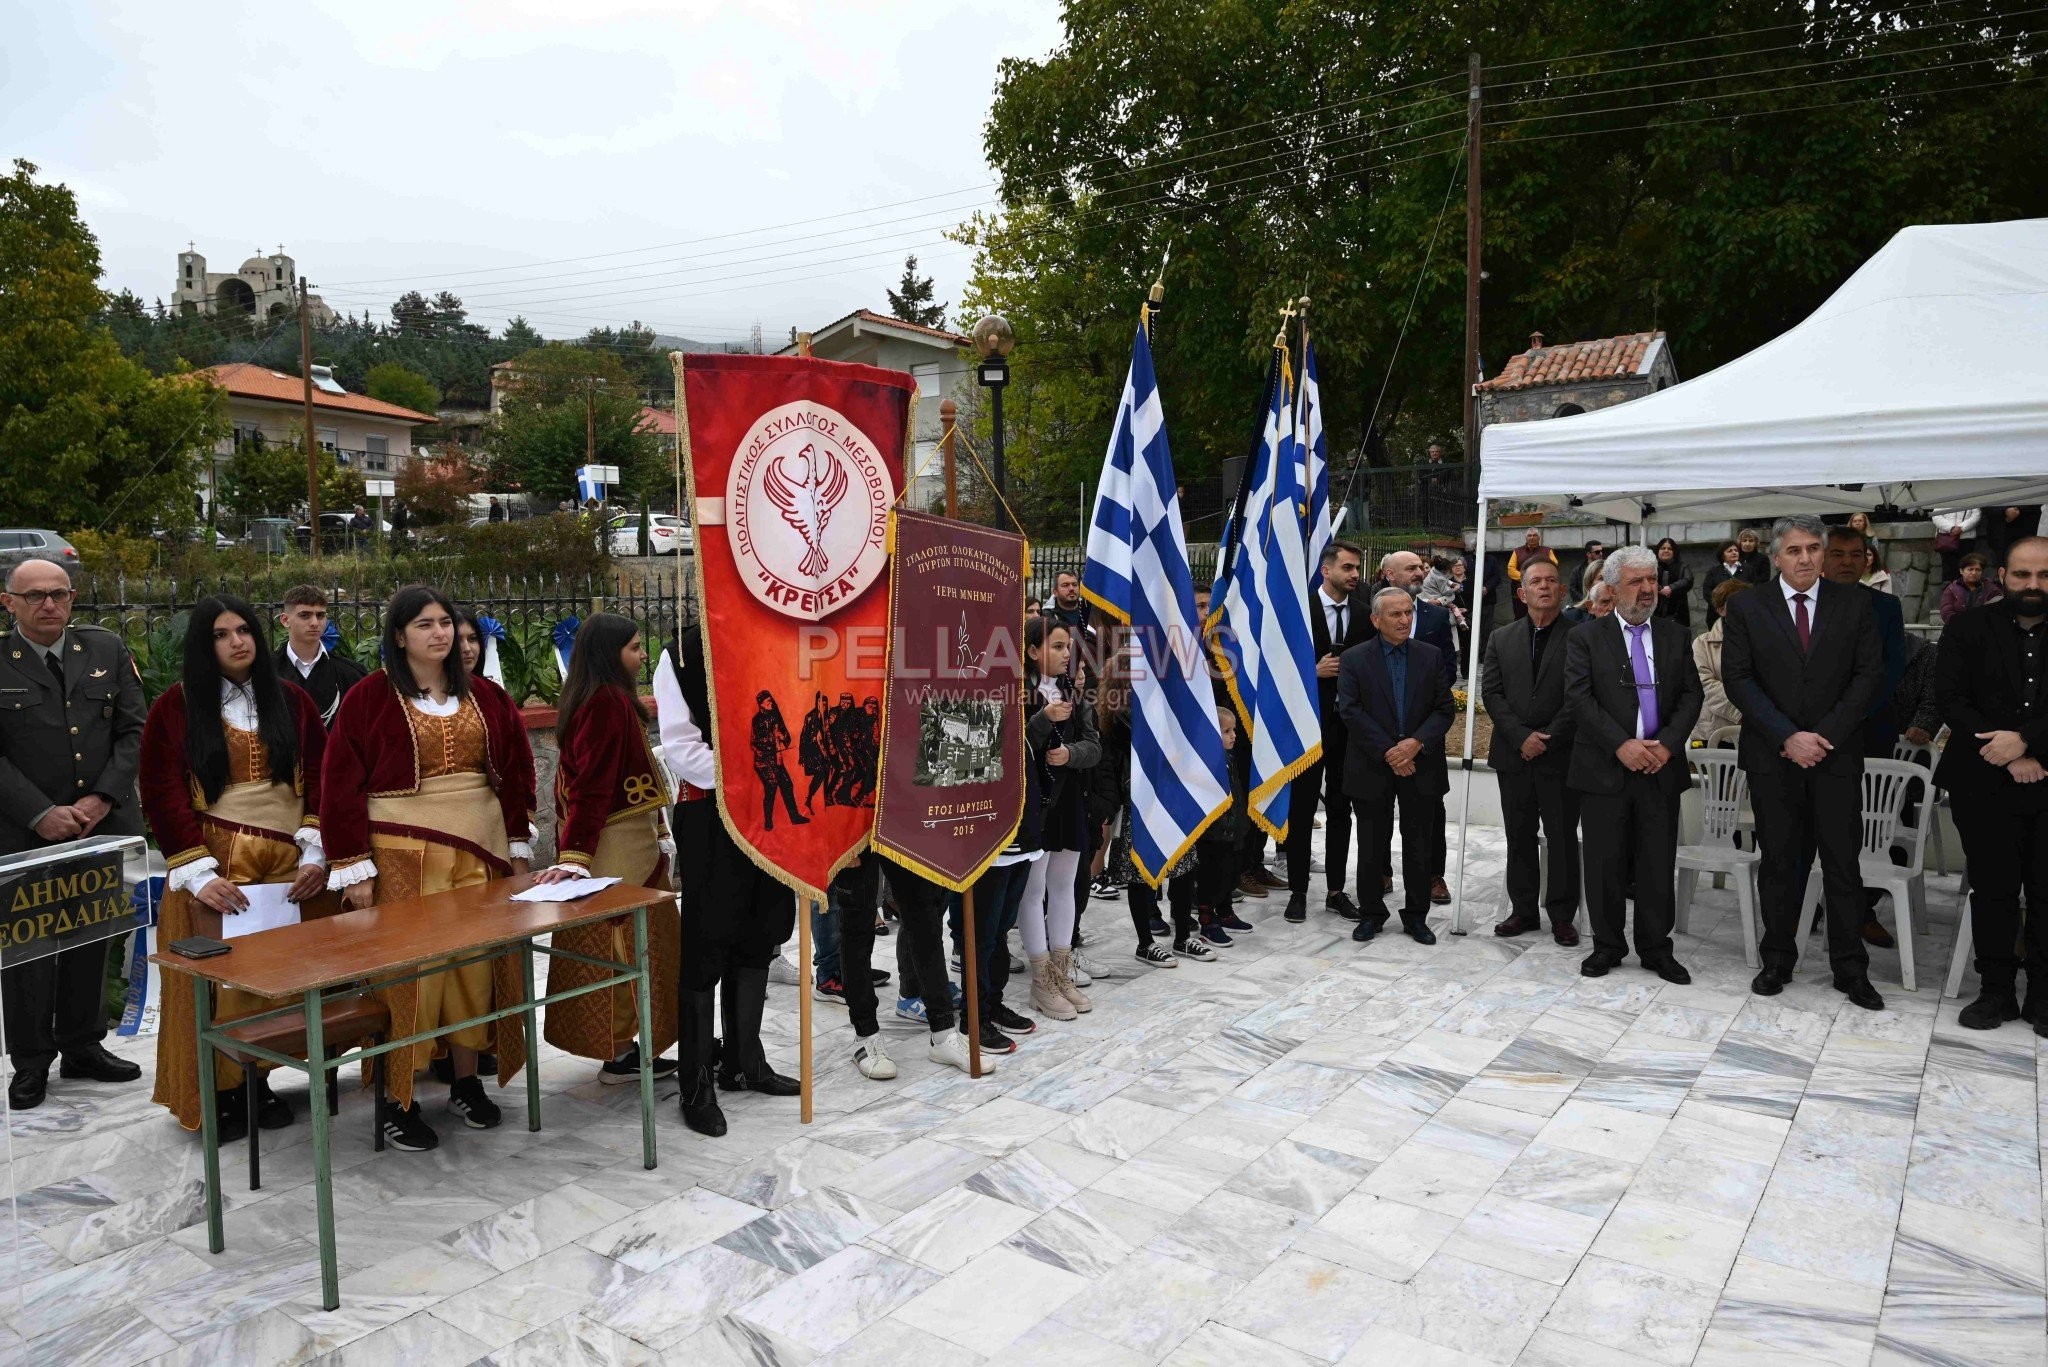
[
  {"x": 1338, "y": 638},
  {"x": 56, "y": 668}
]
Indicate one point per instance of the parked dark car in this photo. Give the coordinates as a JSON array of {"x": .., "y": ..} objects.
[{"x": 35, "y": 543}]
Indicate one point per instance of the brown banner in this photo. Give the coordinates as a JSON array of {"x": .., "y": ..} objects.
[{"x": 951, "y": 789}]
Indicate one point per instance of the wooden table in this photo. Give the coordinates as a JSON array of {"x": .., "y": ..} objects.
[{"x": 384, "y": 946}]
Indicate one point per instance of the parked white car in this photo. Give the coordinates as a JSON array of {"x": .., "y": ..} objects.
[{"x": 666, "y": 535}]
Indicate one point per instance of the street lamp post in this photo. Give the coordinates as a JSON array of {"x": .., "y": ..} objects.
[{"x": 993, "y": 340}]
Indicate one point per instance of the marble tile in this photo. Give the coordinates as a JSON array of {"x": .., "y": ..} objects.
[
  {"x": 960, "y": 1309},
  {"x": 1314, "y": 1307},
  {"x": 1766, "y": 1308},
  {"x": 1218, "y": 1345},
  {"x": 59, "y": 1203},
  {"x": 1387, "y": 1238},
  {"x": 574, "y": 1339},
  {"x": 1548, "y": 1348},
  {"x": 1651, "y": 1316},
  {"x": 1304, "y": 1088},
  {"x": 113, "y": 1228},
  {"x": 1536, "y": 1241},
  {"x": 1671, "y": 1239},
  {"x": 1382, "y": 1344},
  {"x": 545, "y": 1167},
  {"x": 209, "y": 1303},
  {"x": 664, "y": 1232},
  {"x": 1528, "y": 1076},
  {"x": 115, "y": 1336},
  {"x": 1479, "y": 1311},
  {"x": 377, "y": 1234},
  {"x": 880, "y": 1126},
  {"x": 273, "y": 1339},
  {"x": 1604, "y": 1131},
  {"x": 1449, "y": 1181},
  {"x": 913, "y": 1174},
  {"x": 514, "y": 1304},
  {"x": 890, "y": 1342},
  {"x": 1364, "y": 1124},
  {"x": 1495, "y": 1133},
  {"x": 786, "y": 1172},
  {"x": 378, "y": 1297},
  {"x": 730, "y": 1341},
  {"x": 1822, "y": 1237},
  {"x": 808, "y": 1230},
  {"x": 1566, "y": 1179},
  {"x": 523, "y": 1232},
  {"x": 1964, "y": 1284},
  {"x": 1000, "y": 1126},
  {"x": 1231, "y": 1233},
  {"x": 1023, "y": 1179},
  {"x": 675, "y": 1300},
  {"x": 1652, "y": 1079},
  {"x": 825, "y": 1305},
  {"x": 1119, "y": 1128},
  {"x": 63, "y": 1297},
  {"x": 1089, "y": 1234},
  {"x": 1074, "y": 1087},
  {"x": 1053, "y": 1344},
  {"x": 1301, "y": 1176},
  {"x": 1149, "y": 1303},
  {"x": 418, "y": 1338},
  {"x": 947, "y": 1231}
]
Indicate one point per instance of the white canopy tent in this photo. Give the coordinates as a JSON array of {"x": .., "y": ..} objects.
[{"x": 1921, "y": 383}]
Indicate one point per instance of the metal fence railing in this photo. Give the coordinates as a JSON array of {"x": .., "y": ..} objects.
[{"x": 1429, "y": 497}]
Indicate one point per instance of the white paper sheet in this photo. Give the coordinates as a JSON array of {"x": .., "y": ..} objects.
[
  {"x": 568, "y": 890},
  {"x": 267, "y": 910}
]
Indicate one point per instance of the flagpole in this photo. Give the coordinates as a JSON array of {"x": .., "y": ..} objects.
[
  {"x": 1471, "y": 712},
  {"x": 970, "y": 964}
]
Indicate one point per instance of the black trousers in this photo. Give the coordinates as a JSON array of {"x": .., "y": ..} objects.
[
  {"x": 57, "y": 1004},
  {"x": 1531, "y": 796},
  {"x": 1180, "y": 897},
  {"x": 734, "y": 920},
  {"x": 854, "y": 894},
  {"x": 998, "y": 895},
  {"x": 1631, "y": 842},
  {"x": 1421, "y": 818},
  {"x": 921, "y": 952},
  {"x": 1323, "y": 784},
  {"x": 2008, "y": 854},
  {"x": 1218, "y": 866},
  {"x": 1383, "y": 850},
  {"x": 1799, "y": 811}
]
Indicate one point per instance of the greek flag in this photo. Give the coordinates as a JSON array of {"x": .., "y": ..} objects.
[
  {"x": 1315, "y": 454},
  {"x": 1265, "y": 612},
  {"x": 1137, "y": 572}
]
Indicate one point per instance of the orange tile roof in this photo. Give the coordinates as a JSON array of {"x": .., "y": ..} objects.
[
  {"x": 870, "y": 316},
  {"x": 247, "y": 381},
  {"x": 659, "y": 421},
  {"x": 1605, "y": 358}
]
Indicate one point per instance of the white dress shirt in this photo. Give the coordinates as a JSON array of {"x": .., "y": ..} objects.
[
  {"x": 689, "y": 758},
  {"x": 238, "y": 709},
  {"x": 1330, "y": 606},
  {"x": 305, "y": 667},
  {"x": 1812, "y": 603}
]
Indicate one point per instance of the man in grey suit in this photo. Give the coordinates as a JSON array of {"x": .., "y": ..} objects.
[
  {"x": 70, "y": 742},
  {"x": 1522, "y": 683},
  {"x": 1635, "y": 693}
]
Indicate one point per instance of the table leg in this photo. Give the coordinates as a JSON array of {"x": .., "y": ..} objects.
[
  {"x": 532, "y": 1044},
  {"x": 323, "y": 1176},
  {"x": 645, "y": 997},
  {"x": 209, "y": 1110}
]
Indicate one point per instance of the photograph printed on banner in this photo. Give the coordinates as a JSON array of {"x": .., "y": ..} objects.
[{"x": 961, "y": 742}]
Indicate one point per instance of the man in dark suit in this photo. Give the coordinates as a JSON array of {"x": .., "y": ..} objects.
[
  {"x": 1394, "y": 695},
  {"x": 1845, "y": 561},
  {"x": 70, "y": 745},
  {"x": 304, "y": 657},
  {"x": 1336, "y": 622},
  {"x": 1407, "y": 570},
  {"x": 1523, "y": 687},
  {"x": 1989, "y": 686},
  {"x": 2005, "y": 526},
  {"x": 1801, "y": 659},
  {"x": 1634, "y": 695}
]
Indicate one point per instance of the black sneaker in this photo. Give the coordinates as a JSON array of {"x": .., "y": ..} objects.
[
  {"x": 230, "y": 1117},
  {"x": 1235, "y": 924},
  {"x": 830, "y": 990},
  {"x": 1009, "y": 1021},
  {"x": 1159, "y": 929},
  {"x": 880, "y": 978},
  {"x": 1156, "y": 954},
  {"x": 408, "y": 1130},
  {"x": 994, "y": 1041},
  {"x": 626, "y": 1068},
  {"x": 273, "y": 1112},
  {"x": 466, "y": 1098}
]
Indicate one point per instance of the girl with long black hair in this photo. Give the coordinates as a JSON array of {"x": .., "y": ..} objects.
[
  {"x": 230, "y": 782},
  {"x": 611, "y": 815},
  {"x": 1059, "y": 731}
]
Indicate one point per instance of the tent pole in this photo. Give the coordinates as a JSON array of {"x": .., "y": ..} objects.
[{"x": 1478, "y": 580}]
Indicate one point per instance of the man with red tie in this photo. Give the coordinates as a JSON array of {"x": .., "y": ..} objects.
[{"x": 1802, "y": 660}]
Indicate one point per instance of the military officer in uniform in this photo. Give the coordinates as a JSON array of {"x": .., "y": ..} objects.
[{"x": 70, "y": 741}]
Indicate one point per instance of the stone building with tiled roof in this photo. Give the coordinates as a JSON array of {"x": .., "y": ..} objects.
[{"x": 1576, "y": 377}]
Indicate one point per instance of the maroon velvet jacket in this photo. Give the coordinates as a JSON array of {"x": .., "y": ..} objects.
[
  {"x": 606, "y": 772},
  {"x": 370, "y": 753},
  {"x": 171, "y": 796}
]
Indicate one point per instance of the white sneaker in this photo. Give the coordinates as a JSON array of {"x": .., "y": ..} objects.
[
  {"x": 1086, "y": 970},
  {"x": 872, "y": 1060},
  {"x": 950, "y": 1048},
  {"x": 782, "y": 972}
]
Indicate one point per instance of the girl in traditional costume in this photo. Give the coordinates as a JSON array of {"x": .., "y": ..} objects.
[
  {"x": 231, "y": 786},
  {"x": 429, "y": 786},
  {"x": 611, "y": 814}
]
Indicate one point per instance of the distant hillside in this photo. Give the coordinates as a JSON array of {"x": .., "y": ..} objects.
[{"x": 665, "y": 342}]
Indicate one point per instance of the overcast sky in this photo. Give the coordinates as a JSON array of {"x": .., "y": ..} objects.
[{"x": 710, "y": 164}]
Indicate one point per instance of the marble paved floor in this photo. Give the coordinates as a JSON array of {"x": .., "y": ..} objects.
[{"x": 1305, "y": 1152}]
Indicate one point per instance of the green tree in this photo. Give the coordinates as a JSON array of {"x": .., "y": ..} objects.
[
  {"x": 1280, "y": 148},
  {"x": 556, "y": 397},
  {"x": 88, "y": 437},
  {"x": 436, "y": 489},
  {"x": 519, "y": 334},
  {"x": 395, "y": 383},
  {"x": 911, "y": 300},
  {"x": 264, "y": 479}
]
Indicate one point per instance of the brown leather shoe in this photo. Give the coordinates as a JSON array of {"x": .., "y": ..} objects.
[
  {"x": 1267, "y": 876},
  {"x": 1566, "y": 934},
  {"x": 1874, "y": 933},
  {"x": 1517, "y": 924},
  {"x": 1439, "y": 895},
  {"x": 1250, "y": 886}
]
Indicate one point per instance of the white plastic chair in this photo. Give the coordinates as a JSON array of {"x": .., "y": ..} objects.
[
  {"x": 1907, "y": 752},
  {"x": 1724, "y": 798},
  {"x": 1885, "y": 785},
  {"x": 1960, "y": 961}
]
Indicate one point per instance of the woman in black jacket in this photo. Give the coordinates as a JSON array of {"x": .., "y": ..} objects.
[
  {"x": 1673, "y": 584},
  {"x": 1729, "y": 566},
  {"x": 1059, "y": 733}
]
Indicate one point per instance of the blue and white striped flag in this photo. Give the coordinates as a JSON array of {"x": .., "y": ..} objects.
[
  {"x": 1137, "y": 572},
  {"x": 1315, "y": 453},
  {"x": 1265, "y": 612}
]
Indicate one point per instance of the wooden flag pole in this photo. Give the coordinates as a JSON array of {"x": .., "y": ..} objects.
[
  {"x": 970, "y": 963},
  {"x": 803, "y": 1012}
]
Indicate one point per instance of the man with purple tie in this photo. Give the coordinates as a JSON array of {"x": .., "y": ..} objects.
[
  {"x": 1804, "y": 662},
  {"x": 1634, "y": 694}
]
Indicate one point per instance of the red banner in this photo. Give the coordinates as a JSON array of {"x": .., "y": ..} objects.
[
  {"x": 952, "y": 776},
  {"x": 793, "y": 464}
]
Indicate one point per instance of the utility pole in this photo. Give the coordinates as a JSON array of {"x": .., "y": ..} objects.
[
  {"x": 1472, "y": 236},
  {"x": 312, "y": 441}
]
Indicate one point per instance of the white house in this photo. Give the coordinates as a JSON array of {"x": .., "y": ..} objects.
[{"x": 268, "y": 406}]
